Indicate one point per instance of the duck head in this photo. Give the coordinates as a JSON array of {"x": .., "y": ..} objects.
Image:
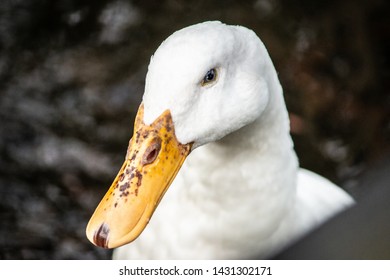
[{"x": 203, "y": 82}]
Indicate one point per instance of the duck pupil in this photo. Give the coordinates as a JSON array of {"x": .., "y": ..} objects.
[{"x": 210, "y": 75}]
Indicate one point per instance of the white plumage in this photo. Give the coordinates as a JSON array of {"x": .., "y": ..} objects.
[{"x": 240, "y": 193}]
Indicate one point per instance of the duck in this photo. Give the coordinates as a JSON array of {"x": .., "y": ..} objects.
[{"x": 211, "y": 171}]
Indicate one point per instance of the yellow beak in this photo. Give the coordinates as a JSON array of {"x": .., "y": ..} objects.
[{"x": 153, "y": 159}]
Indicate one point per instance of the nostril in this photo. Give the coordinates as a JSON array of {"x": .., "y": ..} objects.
[
  {"x": 152, "y": 152},
  {"x": 151, "y": 156}
]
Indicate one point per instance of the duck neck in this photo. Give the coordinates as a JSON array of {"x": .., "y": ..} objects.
[
  {"x": 266, "y": 144},
  {"x": 256, "y": 159},
  {"x": 248, "y": 175}
]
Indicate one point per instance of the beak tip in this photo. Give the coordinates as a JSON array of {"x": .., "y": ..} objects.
[{"x": 101, "y": 236}]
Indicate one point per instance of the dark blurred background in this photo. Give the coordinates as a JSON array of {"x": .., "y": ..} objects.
[{"x": 72, "y": 76}]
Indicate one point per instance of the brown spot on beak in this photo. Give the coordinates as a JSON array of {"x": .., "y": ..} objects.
[
  {"x": 139, "y": 177},
  {"x": 124, "y": 187},
  {"x": 100, "y": 237}
]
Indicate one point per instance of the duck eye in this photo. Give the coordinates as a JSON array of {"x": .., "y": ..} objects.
[{"x": 210, "y": 76}]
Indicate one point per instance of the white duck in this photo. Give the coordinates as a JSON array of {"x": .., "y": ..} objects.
[{"x": 212, "y": 94}]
